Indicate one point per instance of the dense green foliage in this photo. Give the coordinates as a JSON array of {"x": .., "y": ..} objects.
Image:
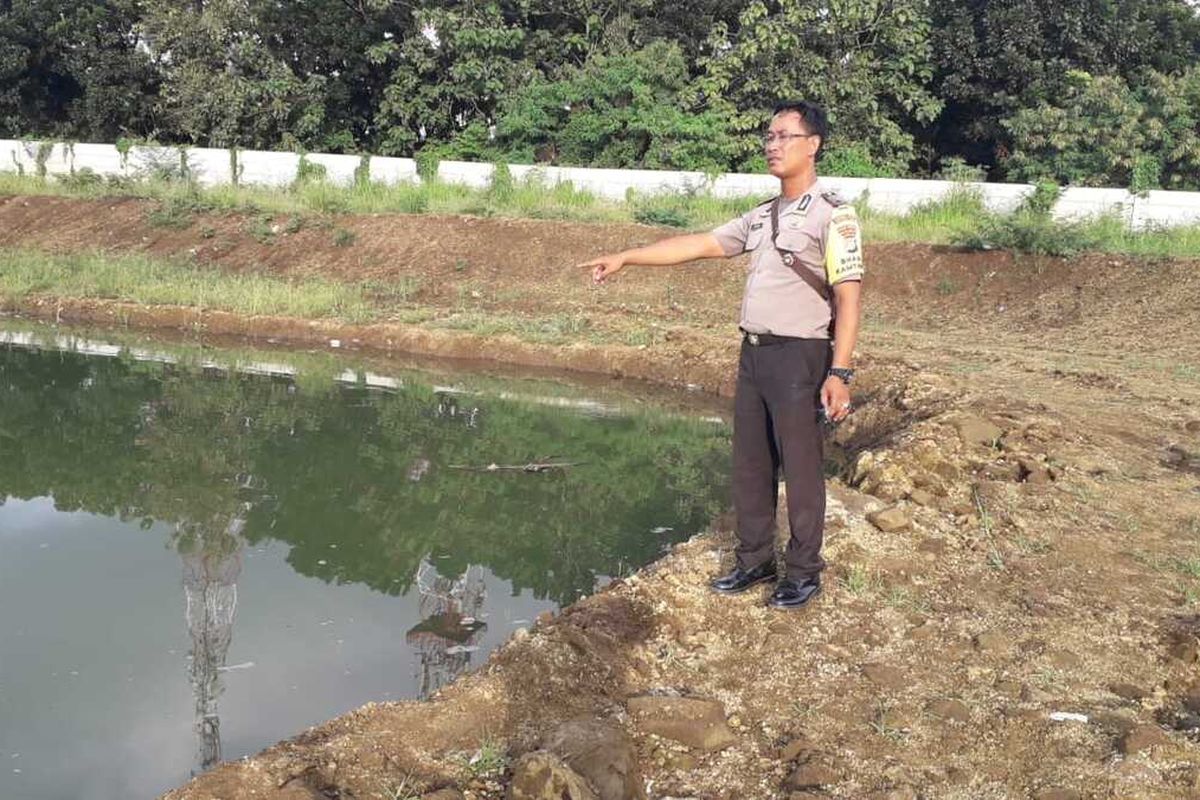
[
  {"x": 1069, "y": 90},
  {"x": 314, "y": 465}
]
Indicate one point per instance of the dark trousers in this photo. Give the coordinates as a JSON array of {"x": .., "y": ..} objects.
[{"x": 775, "y": 428}]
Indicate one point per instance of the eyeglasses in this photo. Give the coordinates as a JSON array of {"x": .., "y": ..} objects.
[{"x": 770, "y": 138}]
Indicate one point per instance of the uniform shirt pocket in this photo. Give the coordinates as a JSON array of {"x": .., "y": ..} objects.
[
  {"x": 802, "y": 244},
  {"x": 755, "y": 236}
]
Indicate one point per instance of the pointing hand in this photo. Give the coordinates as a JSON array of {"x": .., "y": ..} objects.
[{"x": 604, "y": 266}]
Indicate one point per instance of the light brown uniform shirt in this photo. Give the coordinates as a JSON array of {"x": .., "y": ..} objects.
[{"x": 819, "y": 235}]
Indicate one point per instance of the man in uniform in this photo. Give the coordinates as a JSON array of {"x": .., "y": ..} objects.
[{"x": 805, "y": 274}]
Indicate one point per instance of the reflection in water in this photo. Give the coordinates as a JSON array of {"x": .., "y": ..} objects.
[
  {"x": 352, "y": 483},
  {"x": 450, "y": 626},
  {"x": 210, "y": 586}
]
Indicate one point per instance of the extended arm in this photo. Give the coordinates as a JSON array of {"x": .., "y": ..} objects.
[{"x": 673, "y": 250}]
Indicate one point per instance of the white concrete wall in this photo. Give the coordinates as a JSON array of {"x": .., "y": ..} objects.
[{"x": 212, "y": 167}]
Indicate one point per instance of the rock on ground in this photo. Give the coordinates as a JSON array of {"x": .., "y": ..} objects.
[
  {"x": 544, "y": 776},
  {"x": 696, "y": 722},
  {"x": 601, "y": 753}
]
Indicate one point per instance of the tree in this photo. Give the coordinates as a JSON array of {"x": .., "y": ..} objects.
[
  {"x": 73, "y": 69},
  {"x": 222, "y": 84},
  {"x": 1104, "y": 132},
  {"x": 1093, "y": 136},
  {"x": 994, "y": 59},
  {"x": 616, "y": 110},
  {"x": 867, "y": 61},
  {"x": 451, "y": 70}
]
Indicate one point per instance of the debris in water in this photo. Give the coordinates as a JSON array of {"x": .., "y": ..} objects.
[
  {"x": 661, "y": 529},
  {"x": 544, "y": 466},
  {"x": 1067, "y": 716},
  {"x": 231, "y": 667},
  {"x": 458, "y": 648}
]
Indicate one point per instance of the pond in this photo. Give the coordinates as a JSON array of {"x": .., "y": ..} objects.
[{"x": 202, "y": 553}]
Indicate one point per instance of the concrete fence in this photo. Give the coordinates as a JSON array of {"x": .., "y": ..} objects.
[{"x": 213, "y": 167}]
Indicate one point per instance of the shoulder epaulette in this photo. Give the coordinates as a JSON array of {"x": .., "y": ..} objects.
[
  {"x": 833, "y": 198},
  {"x": 768, "y": 201}
]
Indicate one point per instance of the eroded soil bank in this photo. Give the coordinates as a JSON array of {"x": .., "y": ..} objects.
[{"x": 1031, "y": 427}]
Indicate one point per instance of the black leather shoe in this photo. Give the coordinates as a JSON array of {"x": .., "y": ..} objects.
[
  {"x": 742, "y": 579},
  {"x": 793, "y": 593}
]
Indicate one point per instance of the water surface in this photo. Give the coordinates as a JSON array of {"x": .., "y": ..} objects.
[{"x": 196, "y": 561}]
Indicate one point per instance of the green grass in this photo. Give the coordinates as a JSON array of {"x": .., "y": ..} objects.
[
  {"x": 139, "y": 279},
  {"x": 554, "y": 329},
  {"x": 959, "y": 218},
  {"x": 860, "y": 580}
]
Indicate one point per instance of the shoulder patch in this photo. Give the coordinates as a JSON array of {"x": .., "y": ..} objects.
[{"x": 843, "y": 246}]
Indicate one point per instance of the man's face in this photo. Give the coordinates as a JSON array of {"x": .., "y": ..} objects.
[{"x": 788, "y": 145}]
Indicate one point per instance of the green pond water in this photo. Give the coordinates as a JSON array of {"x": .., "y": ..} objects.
[{"x": 201, "y": 555}]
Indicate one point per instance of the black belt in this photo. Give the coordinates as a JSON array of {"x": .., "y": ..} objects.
[{"x": 759, "y": 339}]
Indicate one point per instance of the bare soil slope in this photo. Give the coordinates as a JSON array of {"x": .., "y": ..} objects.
[{"x": 1035, "y": 423}]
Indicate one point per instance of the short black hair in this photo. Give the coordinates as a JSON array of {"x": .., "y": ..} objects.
[{"x": 811, "y": 114}]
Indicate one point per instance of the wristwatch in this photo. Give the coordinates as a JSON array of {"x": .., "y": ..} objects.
[{"x": 845, "y": 373}]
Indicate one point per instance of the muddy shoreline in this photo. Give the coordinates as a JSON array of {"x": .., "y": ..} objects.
[{"x": 1028, "y": 426}]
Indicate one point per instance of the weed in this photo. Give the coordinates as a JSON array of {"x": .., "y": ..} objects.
[
  {"x": 460, "y": 265},
  {"x": 882, "y": 725},
  {"x": 262, "y": 227},
  {"x": 1048, "y": 678},
  {"x": 294, "y": 224},
  {"x": 669, "y": 216},
  {"x": 995, "y": 559},
  {"x": 859, "y": 580},
  {"x": 343, "y": 237},
  {"x": 1032, "y": 546},
  {"x": 640, "y": 337},
  {"x": 389, "y": 292},
  {"x": 985, "y": 519},
  {"x": 960, "y": 217},
  {"x": 308, "y": 172},
  {"x": 82, "y": 180},
  {"x": 177, "y": 211},
  {"x": 946, "y": 286},
  {"x": 147, "y": 281},
  {"x": 903, "y": 600},
  {"x": 405, "y": 790},
  {"x": 207, "y": 231},
  {"x": 1189, "y": 566},
  {"x": 490, "y": 759}
]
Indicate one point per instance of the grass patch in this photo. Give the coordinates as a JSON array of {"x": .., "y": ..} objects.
[
  {"x": 139, "y": 279},
  {"x": 859, "y": 580},
  {"x": 555, "y": 329},
  {"x": 958, "y": 218},
  {"x": 489, "y": 760},
  {"x": 936, "y": 221}
]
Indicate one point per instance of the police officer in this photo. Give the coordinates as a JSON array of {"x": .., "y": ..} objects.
[{"x": 799, "y": 322}]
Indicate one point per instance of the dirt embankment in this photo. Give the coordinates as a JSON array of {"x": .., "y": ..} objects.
[{"x": 1029, "y": 426}]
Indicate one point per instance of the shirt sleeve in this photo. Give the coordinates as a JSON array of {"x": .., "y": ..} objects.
[
  {"x": 843, "y": 247},
  {"x": 732, "y": 235}
]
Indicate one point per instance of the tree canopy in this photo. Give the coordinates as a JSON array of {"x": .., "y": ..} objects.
[{"x": 1013, "y": 86}]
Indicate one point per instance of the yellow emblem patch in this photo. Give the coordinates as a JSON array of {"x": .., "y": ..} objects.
[{"x": 843, "y": 246}]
